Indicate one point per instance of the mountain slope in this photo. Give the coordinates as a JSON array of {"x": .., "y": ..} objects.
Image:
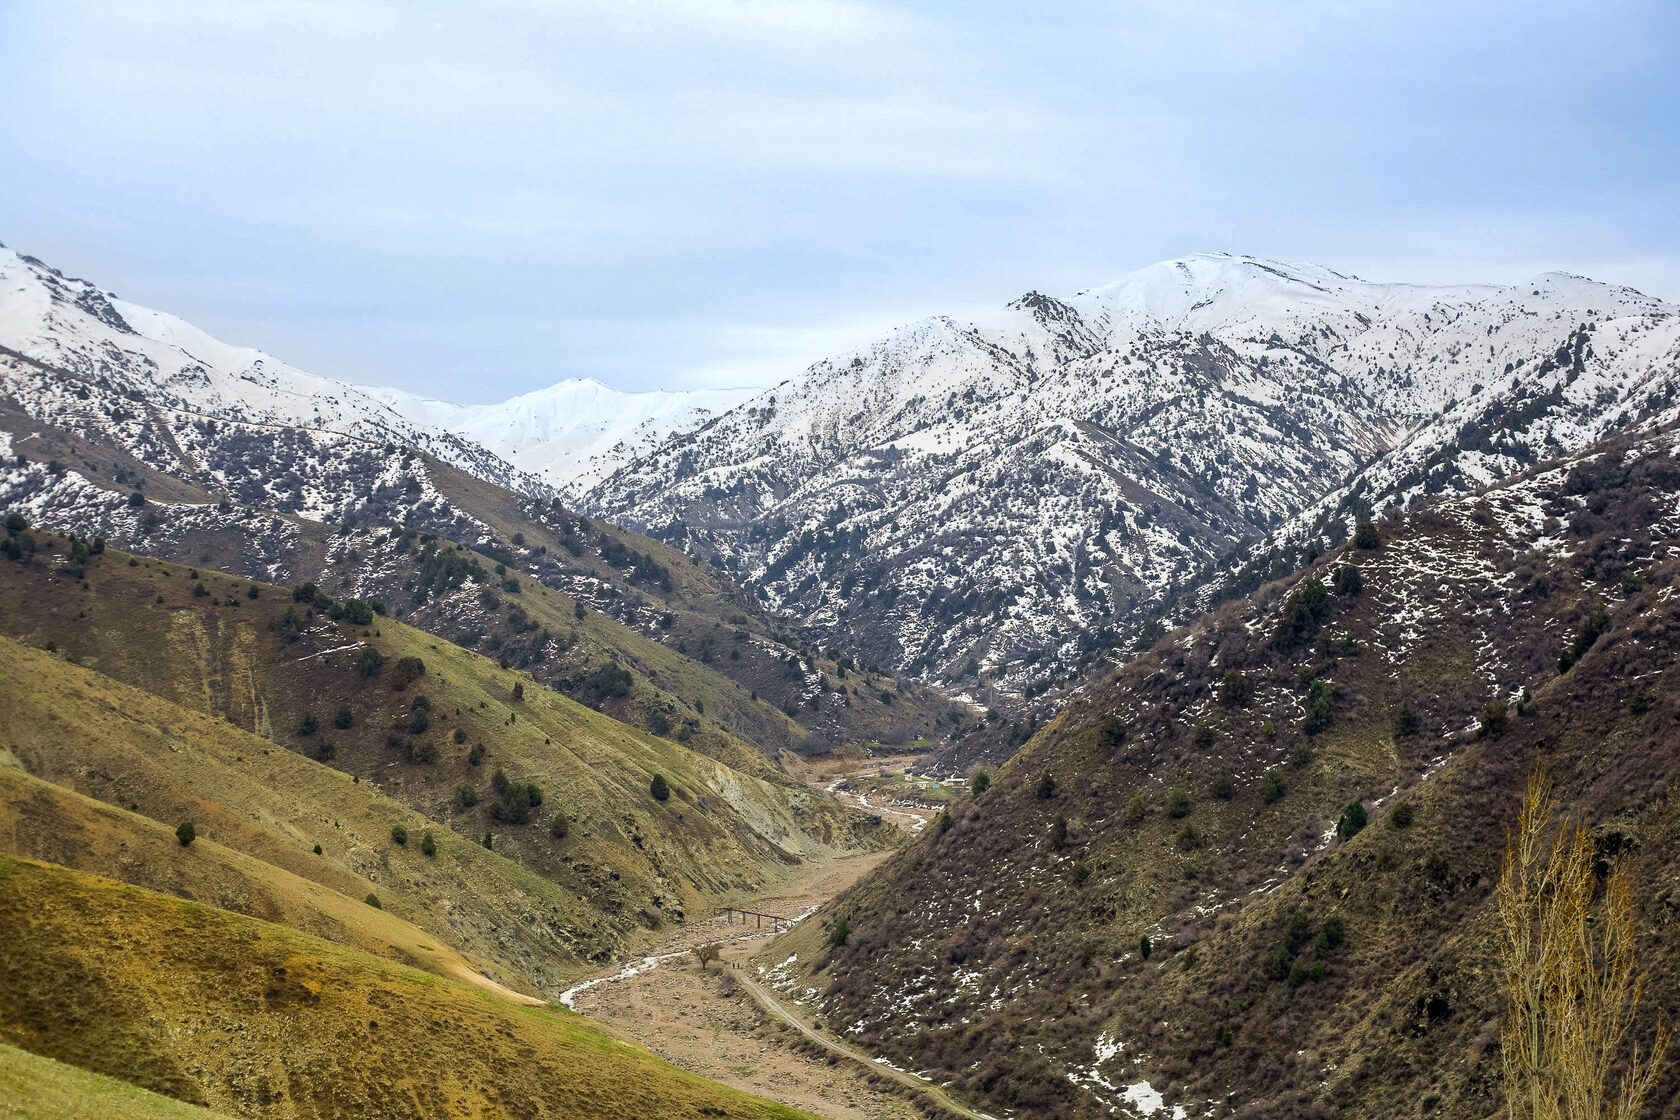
[
  {"x": 254, "y": 1019},
  {"x": 992, "y": 504},
  {"x": 1200, "y": 798},
  {"x": 132, "y": 425},
  {"x": 291, "y": 676}
]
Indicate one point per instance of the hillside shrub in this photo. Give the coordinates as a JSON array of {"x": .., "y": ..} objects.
[
  {"x": 1233, "y": 689},
  {"x": 981, "y": 783},
  {"x": 1493, "y": 720},
  {"x": 943, "y": 822},
  {"x": 358, "y": 612},
  {"x": 368, "y": 662},
  {"x": 1178, "y": 802},
  {"x": 373, "y": 901},
  {"x": 186, "y": 833},
  {"x": 1589, "y": 632},
  {"x": 1365, "y": 536},
  {"x": 418, "y": 721},
  {"x": 399, "y": 834},
  {"x": 428, "y": 844},
  {"x": 1330, "y": 935},
  {"x": 1111, "y": 733},
  {"x": 660, "y": 788},
  {"x": 1407, "y": 722},
  {"x": 424, "y": 752},
  {"x": 518, "y": 691},
  {"x": 1306, "y": 606},
  {"x": 1202, "y": 735},
  {"x": 1347, "y": 580},
  {"x": 1321, "y": 712},
  {"x": 309, "y": 725},
  {"x": 605, "y": 682},
  {"x": 406, "y": 671},
  {"x": 1272, "y": 785},
  {"x": 558, "y": 827},
  {"x": 1058, "y": 833},
  {"x": 1189, "y": 838},
  {"x": 1401, "y": 817},
  {"x": 1353, "y": 819},
  {"x": 326, "y": 750},
  {"x": 1135, "y": 810},
  {"x": 1046, "y": 787},
  {"x": 841, "y": 932},
  {"x": 466, "y": 795},
  {"x": 345, "y": 718},
  {"x": 476, "y": 755},
  {"x": 1145, "y": 946},
  {"x": 1222, "y": 786}
]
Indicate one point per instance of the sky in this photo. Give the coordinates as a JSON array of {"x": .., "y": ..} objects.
[{"x": 477, "y": 200}]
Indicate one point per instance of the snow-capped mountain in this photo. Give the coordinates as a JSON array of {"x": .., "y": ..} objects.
[
  {"x": 1002, "y": 495},
  {"x": 571, "y": 434},
  {"x": 559, "y": 439},
  {"x": 92, "y": 363}
]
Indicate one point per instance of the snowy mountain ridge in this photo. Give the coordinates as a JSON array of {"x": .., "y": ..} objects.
[
  {"x": 558, "y": 438},
  {"x": 1006, "y": 495}
]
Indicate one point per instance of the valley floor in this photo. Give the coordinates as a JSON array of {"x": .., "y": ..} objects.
[{"x": 669, "y": 1004}]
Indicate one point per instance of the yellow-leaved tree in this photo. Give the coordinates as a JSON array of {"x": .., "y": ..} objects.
[{"x": 1567, "y": 947}]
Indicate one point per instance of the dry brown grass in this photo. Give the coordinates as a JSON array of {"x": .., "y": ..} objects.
[{"x": 257, "y": 1020}]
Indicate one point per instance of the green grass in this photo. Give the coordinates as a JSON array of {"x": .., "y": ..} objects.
[{"x": 37, "y": 1088}]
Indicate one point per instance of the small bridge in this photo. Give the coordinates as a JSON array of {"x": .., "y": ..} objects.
[{"x": 777, "y": 923}]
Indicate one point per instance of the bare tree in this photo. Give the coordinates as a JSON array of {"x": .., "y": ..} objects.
[
  {"x": 708, "y": 953},
  {"x": 1569, "y": 962}
]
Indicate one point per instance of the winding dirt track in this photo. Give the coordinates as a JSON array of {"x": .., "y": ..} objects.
[{"x": 775, "y": 1007}]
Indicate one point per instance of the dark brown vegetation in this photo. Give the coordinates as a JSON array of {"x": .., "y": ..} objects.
[{"x": 1323, "y": 939}]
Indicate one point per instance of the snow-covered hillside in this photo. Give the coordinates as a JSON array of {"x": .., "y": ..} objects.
[
  {"x": 1003, "y": 495},
  {"x": 574, "y": 433},
  {"x": 95, "y": 364}
]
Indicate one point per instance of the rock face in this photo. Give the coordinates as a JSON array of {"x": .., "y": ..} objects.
[{"x": 998, "y": 501}]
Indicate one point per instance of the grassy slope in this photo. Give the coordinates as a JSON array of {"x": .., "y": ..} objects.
[
  {"x": 124, "y": 747},
  {"x": 44, "y": 821},
  {"x": 252, "y": 1018},
  {"x": 629, "y": 865},
  {"x": 37, "y": 1088},
  {"x": 998, "y": 961}
]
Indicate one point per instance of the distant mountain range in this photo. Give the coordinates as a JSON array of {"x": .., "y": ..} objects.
[
  {"x": 1014, "y": 496},
  {"x": 572, "y": 434},
  {"x": 991, "y": 504}
]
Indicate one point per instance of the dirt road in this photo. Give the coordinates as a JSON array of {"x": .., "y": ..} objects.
[{"x": 776, "y": 1007}]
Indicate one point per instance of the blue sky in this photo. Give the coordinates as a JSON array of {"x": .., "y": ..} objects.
[{"x": 473, "y": 201}]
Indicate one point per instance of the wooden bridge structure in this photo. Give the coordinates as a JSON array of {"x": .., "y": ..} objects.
[{"x": 777, "y": 922}]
